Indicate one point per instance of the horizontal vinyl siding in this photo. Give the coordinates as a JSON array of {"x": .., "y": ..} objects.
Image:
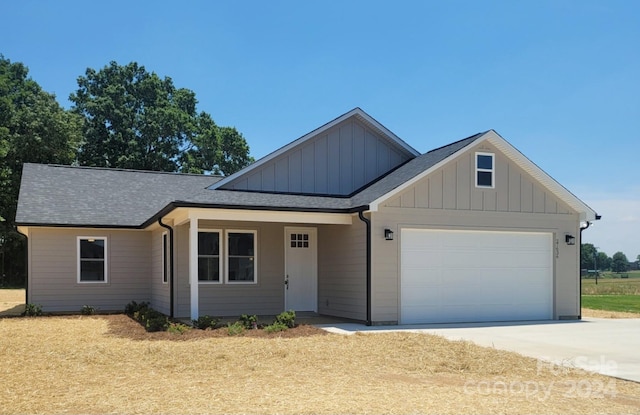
[
  {"x": 342, "y": 270},
  {"x": 264, "y": 298},
  {"x": 53, "y": 270},
  {"x": 159, "y": 290}
]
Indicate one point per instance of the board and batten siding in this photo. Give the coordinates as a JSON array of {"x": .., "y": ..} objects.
[
  {"x": 448, "y": 199},
  {"x": 160, "y": 291},
  {"x": 264, "y": 298},
  {"x": 342, "y": 259},
  {"x": 338, "y": 162},
  {"x": 453, "y": 187},
  {"x": 53, "y": 262}
]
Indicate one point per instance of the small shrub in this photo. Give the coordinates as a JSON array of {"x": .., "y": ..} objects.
[
  {"x": 235, "y": 328},
  {"x": 249, "y": 322},
  {"x": 133, "y": 307},
  {"x": 157, "y": 323},
  {"x": 276, "y": 327},
  {"x": 32, "y": 310},
  {"x": 287, "y": 318},
  {"x": 88, "y": 310},
  {"x": 206, "y": 322},
  {"x": 178, "y": 328}
]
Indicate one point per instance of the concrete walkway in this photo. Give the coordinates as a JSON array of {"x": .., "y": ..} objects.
[{"x": 607, "y": 346}]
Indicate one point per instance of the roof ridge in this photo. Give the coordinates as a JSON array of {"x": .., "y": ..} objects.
[
  {"x": 459, "y": 141},
  {"x": 119, "y": 169}
]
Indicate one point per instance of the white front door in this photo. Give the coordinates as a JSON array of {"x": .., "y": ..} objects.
[{"x": 301, "y": 269}]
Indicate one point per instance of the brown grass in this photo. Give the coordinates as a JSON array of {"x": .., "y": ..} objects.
[
  {"x": 11, "y": 302},
  {"x": 108, "y": 364},
  {"x": 587, "y": 312}
]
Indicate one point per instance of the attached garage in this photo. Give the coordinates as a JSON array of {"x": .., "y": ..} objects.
[{"x": 474, "y": 276}]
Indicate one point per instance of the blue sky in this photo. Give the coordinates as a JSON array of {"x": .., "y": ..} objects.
[{"x": 559, "y": 79}]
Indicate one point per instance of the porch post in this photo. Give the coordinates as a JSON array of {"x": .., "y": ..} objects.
[{"x": 193, "y": 266}]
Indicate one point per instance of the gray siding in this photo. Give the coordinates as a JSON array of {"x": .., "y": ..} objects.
[
  {"x": 264, "y": 298},
  {"x": 386, "y": 270},
  {"x": 449, "y": 199},
  {"x": 159, "y": 290},
  {"x": 342, "y": 270},
  {"x": 53, "y": 270},
  {"x": 453, "y": 187},
  {"x": 338, "y": 162}
]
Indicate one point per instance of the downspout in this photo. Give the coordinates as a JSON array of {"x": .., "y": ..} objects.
[
  {"x": 368, "y": 225},
  {"x": 170, "y": 264},
  {"x": 580, "y": 267},
  {"x": 26, "y": 266}
]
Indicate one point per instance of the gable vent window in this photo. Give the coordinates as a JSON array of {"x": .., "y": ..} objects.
[{"x": 485, "y": 168}]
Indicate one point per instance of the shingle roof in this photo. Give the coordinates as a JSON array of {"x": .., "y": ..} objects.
[
  {"x": 82, "y": 196},
  {"x": 63, "y": 195}
]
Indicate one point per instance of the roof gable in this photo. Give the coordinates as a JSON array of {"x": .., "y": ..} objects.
[
  {"x": 336, "y": 159},
  {"x": 455, "y": 150}
]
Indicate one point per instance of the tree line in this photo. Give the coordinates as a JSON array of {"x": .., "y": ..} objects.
[
  {"x": 592, "y": 259},
  {"x": 122, "y": 116}
]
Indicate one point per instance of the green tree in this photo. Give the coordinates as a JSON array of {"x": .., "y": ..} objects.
[
  {"x": 604, "y": 262},
  {"x": 619, "y": 262},
  {"x": 135, "y": 119},
  {"x": 587, "y": 255},
  {"x": 33, "y": 128}
]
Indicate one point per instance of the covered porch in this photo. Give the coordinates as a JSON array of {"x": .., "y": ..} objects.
[{"x": 228, "y": 262}]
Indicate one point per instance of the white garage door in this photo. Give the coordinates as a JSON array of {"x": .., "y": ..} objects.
[{"x": 472, "y": 276}]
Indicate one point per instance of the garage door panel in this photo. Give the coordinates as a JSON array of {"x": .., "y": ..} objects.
[{"x": 464, "y": 276}]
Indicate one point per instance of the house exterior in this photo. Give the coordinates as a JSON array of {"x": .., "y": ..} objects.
[{"x": 347, "y": 221}]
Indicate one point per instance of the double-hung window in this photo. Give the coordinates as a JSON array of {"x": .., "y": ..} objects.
[
  {"x": 92, "y": 259},
  {"x": 209, "y": 264},
  {"x": 241, "y": 257},
  {"x": 485, "y": 168}
]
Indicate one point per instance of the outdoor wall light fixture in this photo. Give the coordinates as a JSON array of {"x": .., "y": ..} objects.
[
  {"x": 570, "y": 239},
  {"x": 388, "y": 234}
]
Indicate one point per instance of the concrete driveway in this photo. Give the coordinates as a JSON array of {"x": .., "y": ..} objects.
[{"x": 607, "y": 346}]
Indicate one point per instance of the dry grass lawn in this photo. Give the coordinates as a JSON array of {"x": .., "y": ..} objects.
[
  {"x": 11, "y": 302},
  {"x": 108, "y": 364}
]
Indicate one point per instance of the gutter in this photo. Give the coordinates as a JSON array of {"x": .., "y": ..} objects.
[
  {"x": 171, "y": 272},
  {"x": 368, "y": 272}
]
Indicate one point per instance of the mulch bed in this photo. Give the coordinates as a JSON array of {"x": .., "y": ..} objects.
[{"x": 121, "y": 325}]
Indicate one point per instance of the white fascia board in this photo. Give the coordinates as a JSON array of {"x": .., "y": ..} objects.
[
  {"x": 246, "y": 215},
  {"x": 354, "y": 112},
  {"x": 584, "y": 211}
]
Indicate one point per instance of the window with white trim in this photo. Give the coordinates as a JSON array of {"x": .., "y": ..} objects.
[
  {"x": 209, "y": 264},
  {"x": 485, "y": 168},
  {"x": 241, "y": 257},
  {"x": 92, "y": 259},
  {"x": 165, "y": 258}
]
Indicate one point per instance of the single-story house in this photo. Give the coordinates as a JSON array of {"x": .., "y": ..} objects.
[{"x": 348, "y": 221}]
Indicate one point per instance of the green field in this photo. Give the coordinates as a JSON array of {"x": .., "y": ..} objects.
[
  {"x": 624, "y": 303},
  {"x": 612, "y": 293}
]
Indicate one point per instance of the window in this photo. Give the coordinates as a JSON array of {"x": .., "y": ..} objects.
[
  {"x": 92, "y": 259},
  {"x": 484, "y": 170},
  {"x": 299, "y": 240},
  {"x": 209, "y": 264},
  {"x": 241, "y": 260},
  {"x": 165, "y": 258}
]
